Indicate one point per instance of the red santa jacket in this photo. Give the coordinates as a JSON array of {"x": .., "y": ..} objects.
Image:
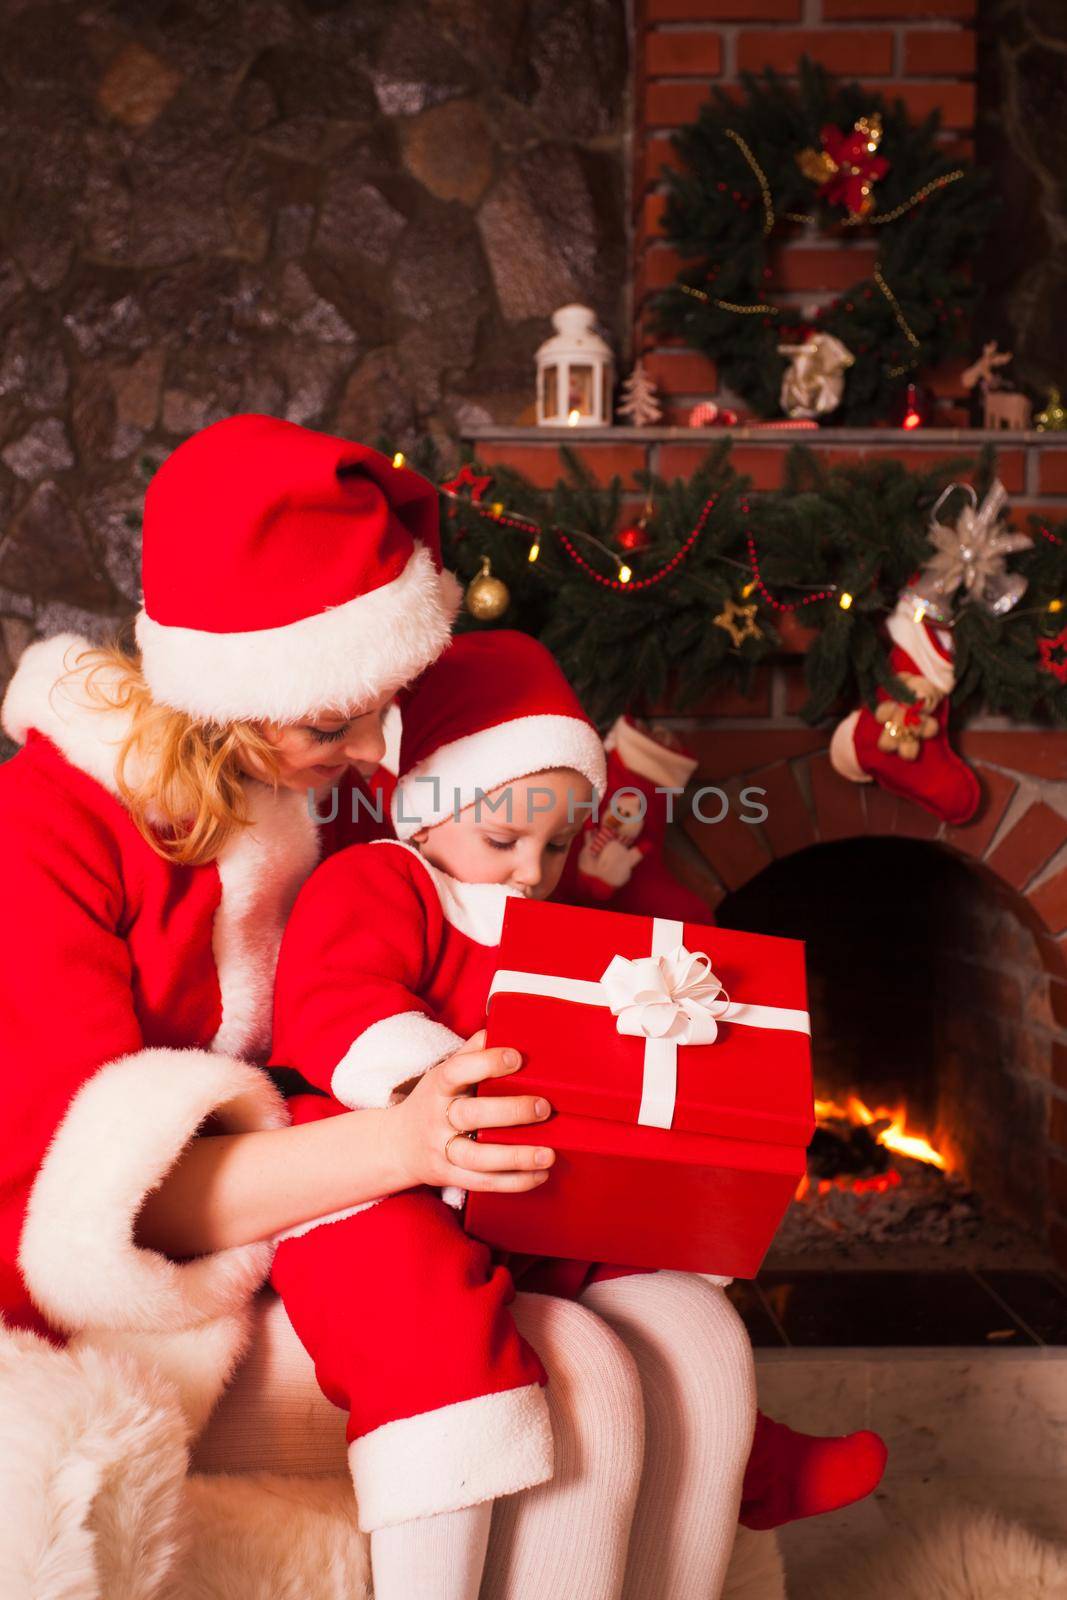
[
  {"x": 134, "y": 996},
  {"x": 384, "y": 970}
]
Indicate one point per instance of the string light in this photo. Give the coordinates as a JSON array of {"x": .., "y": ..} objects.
[
  {"x": 1055, "y": 605},
  {"x": 399, "y": 458},
  {"x": 632, "y": 585},
  {"x": 624, "y": 578}
]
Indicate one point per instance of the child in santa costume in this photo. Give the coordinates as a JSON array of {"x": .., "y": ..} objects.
[{"x": 384, "y": 972}]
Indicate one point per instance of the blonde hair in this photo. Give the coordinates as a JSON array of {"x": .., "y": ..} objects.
[{"x": 180, "y": 778}]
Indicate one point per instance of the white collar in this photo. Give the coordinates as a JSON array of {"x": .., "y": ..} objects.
[{"x": 476, "y": 909}]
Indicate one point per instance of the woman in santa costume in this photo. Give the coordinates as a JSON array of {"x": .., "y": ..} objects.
[{"x": 158, "y": 831}]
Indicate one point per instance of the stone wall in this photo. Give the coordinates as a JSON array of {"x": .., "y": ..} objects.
[
  {"x": 357, "y": 214},
  {"x": 1022, "y": 139}
]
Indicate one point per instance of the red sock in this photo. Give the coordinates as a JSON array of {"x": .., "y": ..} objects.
[{"x": 792, "y": 1475}]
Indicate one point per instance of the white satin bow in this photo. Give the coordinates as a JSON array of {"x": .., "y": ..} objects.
[{"x": 673, "y": 996}]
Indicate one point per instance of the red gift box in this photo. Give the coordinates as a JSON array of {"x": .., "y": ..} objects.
[{"x": 677, "y": 1061}]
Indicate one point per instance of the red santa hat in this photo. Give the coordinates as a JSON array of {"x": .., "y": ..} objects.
[
  {"x": 287, "y": 573},
  {"x": 496, "y": 707}
]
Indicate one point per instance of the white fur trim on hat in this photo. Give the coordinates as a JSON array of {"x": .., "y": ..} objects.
[
  {"x": 645, "y": 756},
  {"x": 123, "y": 1131},
  {"x": 458, "y": 1455},
  {"x": 338, "y": 660},
  {"x": 389, "y": 1053},
  {"x": 457, "y": 774}
]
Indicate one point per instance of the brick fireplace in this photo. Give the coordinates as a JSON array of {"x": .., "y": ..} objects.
[
  {"x": 997, "y": 986},
  {"x": 959, "y": 934}
]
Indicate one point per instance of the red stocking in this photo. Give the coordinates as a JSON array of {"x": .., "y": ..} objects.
[
  {"x": 619, "y": 859},
  {"x": 902, "y": 746}
]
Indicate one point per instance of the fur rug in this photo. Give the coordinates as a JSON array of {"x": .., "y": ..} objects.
[
  {"x": 265, "y": 1538},
  {"x": 92, "y": 1475},
  {"x": 961, "y": 1555},
  {"x": 99, "y": 1504}
]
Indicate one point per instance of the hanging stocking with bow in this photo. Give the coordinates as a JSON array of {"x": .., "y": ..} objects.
[{"x": 902, "y": 745}]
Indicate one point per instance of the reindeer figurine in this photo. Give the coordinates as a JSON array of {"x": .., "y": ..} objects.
[{"x": 1001, "y": 407}]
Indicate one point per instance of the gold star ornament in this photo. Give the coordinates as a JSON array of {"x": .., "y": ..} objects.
[{"x": 739, "y": 622}]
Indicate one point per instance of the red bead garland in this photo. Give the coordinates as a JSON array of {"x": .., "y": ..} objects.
[
  {"x": 533, "y": 530},
  {"x": 779, "y": 605}
]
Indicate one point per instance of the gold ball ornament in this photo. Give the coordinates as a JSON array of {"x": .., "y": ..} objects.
[
  {"x": 487, "y": 597},
  {"x": 1054, "y": 417}
]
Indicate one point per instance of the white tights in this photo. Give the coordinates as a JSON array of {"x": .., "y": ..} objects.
[
  {"x": 652, "y": 1397},
  {"x": 652, "y": 1401}
]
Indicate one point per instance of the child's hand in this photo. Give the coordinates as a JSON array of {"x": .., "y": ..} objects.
[{"x": 426, "y": 1131}]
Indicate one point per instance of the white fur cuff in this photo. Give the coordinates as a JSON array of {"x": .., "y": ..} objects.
[
  {"x": 123, "y": 1131},
  {"x": 459, "y": 1455},
  {"x": 389, "y": 1053}
]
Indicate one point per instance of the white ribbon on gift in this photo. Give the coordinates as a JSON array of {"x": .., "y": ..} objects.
[{"x": 669, "y": 997}]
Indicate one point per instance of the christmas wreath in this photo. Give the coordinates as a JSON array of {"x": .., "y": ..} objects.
[{"x": 830, "y": 161}]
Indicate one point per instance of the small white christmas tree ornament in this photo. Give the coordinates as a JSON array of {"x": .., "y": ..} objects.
[{"x": 640, "y": 402}]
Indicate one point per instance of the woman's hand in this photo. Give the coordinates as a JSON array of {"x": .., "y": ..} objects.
[{"x": 421, "y": 1131}]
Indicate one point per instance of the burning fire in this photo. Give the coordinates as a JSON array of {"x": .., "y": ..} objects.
[{"x": 895, "y": 1136}]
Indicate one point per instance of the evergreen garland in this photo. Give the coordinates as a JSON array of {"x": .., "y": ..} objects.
[
  {"x": 717, "y": 214},
  {"x": 860, "y": 529}
]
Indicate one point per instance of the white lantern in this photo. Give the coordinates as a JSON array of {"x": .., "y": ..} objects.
[{"x": 574, "y": 373}]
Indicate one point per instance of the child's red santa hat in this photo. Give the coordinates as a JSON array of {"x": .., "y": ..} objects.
[
  {"x": 287, "y": 573},
  {"x": 496, "y": 707}
]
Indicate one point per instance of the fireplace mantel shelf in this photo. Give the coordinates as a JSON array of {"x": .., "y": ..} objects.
[{"x": 972, "y": 438}]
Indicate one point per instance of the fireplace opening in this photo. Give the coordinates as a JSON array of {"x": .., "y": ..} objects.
[{"x": 932, "y": 1048}]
